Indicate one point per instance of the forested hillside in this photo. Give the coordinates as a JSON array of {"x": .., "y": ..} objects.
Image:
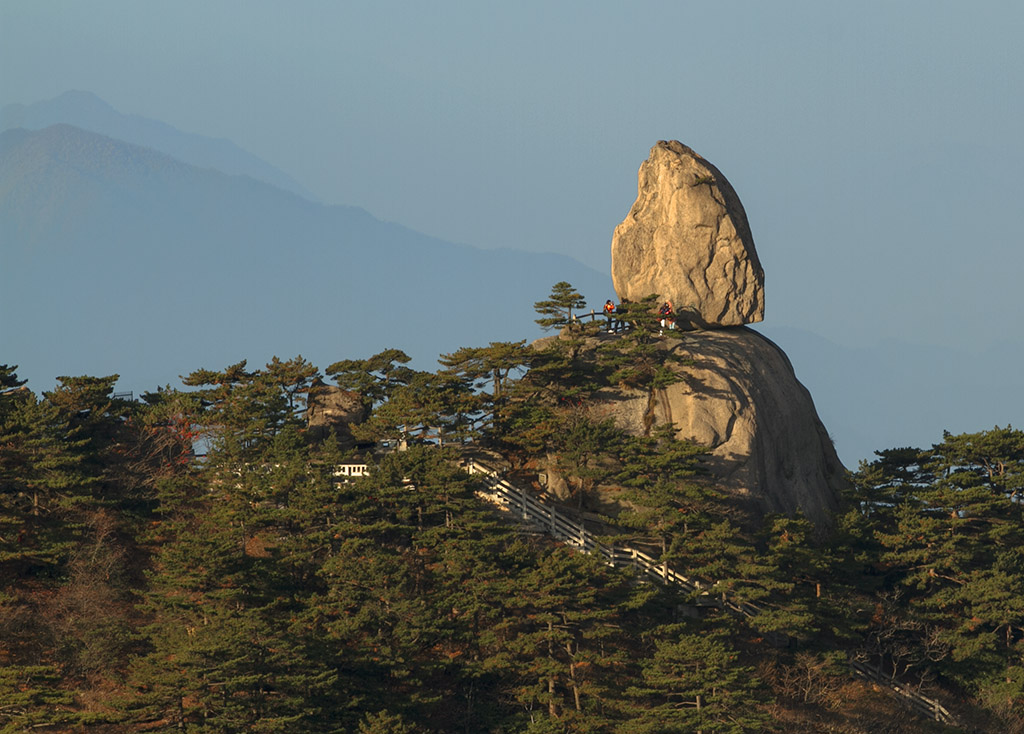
[{"x": 191, "y": 561}]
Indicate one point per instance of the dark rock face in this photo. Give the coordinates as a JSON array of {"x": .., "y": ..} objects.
[{"x": 333, "y": 410}]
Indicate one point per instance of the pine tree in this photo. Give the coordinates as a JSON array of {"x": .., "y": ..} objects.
[
  {"x": 494, "y": 363},
  {"x": 796, "y": 571},
  {"x": 384, "y": 723},
  {"x": 949, "y": 525},
  {"x": 664, "y": 500},
  {"x": 556, "y": 310},
  {"x": 293, "y": 378},
  {"x": 227, "y": 595},
  {"x": 374, "y": 378},
  {"x": 694, "y": 682},
  {"x": 44, "y": 484},
  {"x": 560, "y": 642},
  {"x": 376, "y": 590},
  {"x": 436, "y": 407},
  {"x": 579, "y": 446},
  {"x": 31, "y": 699},
  {"x": 637, "y": 359}
]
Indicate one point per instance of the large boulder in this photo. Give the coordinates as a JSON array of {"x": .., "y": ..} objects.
[
  {"x": 739, "y": 397},
  {"x": 330, "y": 409},
  {"x": 687, "y": 240}
]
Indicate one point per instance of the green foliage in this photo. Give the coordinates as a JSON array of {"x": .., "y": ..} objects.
[
  {"x": 43, "y": 482},
  {"x": 642, "y": 318},
  {"x": 252, "y": 590},
  {"x": 556, "y": 311},
  {"x": 494, "y": 364},
  {"x": 579, "y": 445},
  {"x": 561, "y": 641},
  {"x": 794, "y": 571},
  {"x": 241, "y": 411},
  {"x": 948, "y": 525},
  {"x": 638, "y": 358},
  {"x": 384, "y": 723},
  {"x": 9, "y": 382},
  {"x": 695, "y": 682},
  {"x": 550, "y": 398},
  {"x": 430, "y": 406},
  {"x": 658, "y": 471},
  {"x": 375, "y": 378},
  {"x": 31, "y": 699}
]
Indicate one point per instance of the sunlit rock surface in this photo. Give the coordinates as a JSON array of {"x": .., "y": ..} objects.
[{"x": 687, "y": 240}]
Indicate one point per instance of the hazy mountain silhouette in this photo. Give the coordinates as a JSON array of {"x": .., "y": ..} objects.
[
  {"x": 87, "y": 111},
  {"x": 117, "y": 258}
]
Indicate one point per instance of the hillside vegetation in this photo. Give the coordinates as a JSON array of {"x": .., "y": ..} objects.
[{"x": 149, "y": 589}]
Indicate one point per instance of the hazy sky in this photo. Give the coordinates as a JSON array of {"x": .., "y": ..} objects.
[{"x": 876, "y": 146}]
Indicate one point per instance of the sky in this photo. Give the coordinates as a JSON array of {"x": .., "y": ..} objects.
[{"x": 876, "y": 145}]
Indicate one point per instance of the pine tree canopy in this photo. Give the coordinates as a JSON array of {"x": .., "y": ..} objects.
[{"x": 557, "y": 310}]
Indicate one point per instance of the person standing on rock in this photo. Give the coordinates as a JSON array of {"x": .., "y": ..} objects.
[
  {"x": 609, "y": 312},
  {"x": 667, "y": 317}
]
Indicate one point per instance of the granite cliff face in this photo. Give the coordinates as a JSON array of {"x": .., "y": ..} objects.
[
  {"x": 687, "y": 239},
  {"x": 740, "y": 398}
]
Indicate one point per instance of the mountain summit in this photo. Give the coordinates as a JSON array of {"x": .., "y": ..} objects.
[
  {"x": 687, "y": 239},
  {"x": 88, "y": 112}
]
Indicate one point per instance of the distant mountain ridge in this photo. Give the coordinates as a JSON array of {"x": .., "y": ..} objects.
[
  {"x": 110, "y": 249},
  {"x": 88, "y": 112},
  {"x": 117, "y": 258}
]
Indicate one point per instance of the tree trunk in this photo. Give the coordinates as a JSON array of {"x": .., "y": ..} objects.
[
  {"x": 552, "y": 706},
  {"x": 572, "y": 679}
]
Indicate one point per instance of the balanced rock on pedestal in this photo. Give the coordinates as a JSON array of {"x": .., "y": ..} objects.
[{"x": 687, "y": 240}]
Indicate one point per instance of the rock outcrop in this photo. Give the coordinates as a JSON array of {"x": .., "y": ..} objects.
[
  {"x": 687, "y": 240},
  {"x": 740, "y": 398},
  {"x": 333, "y": 410}
]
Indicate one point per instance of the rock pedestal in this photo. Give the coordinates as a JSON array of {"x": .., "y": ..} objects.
[
  {"x": 740, "y": 398},
  {"x": 687, "y": 240}
]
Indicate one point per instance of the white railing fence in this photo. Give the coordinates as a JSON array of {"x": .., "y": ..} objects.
[
  {"x": 528, "y": 508},
  {"x": 523, "y": 504},
  {"x": 914, "y": 699}
]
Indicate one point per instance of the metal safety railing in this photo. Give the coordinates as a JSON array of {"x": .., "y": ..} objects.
[
  {"x": 528, "y": 508},
  {"x": 567, "y": 530},
  {"x": 522, "y": 503},
  {"x": 613, "y": 325},
  {"x": 914, "y": 699}
]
